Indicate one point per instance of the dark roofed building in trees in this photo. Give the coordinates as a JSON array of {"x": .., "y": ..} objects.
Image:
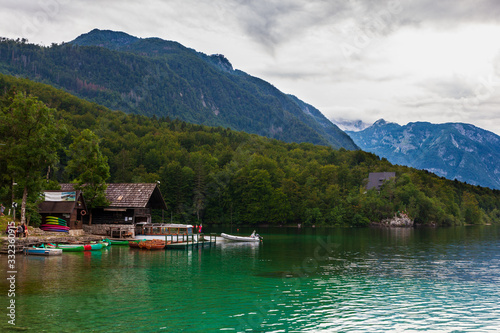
[
  {"x": 377, "y": 179},
  {"x": 129, "y": 205}
]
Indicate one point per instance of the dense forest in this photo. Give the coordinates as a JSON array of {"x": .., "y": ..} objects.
[
  {"x": 163, "y": 78},
  {"x": 216, "y": 175}
]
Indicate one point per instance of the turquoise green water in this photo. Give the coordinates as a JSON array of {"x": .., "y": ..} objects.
[{"x": 330, "y": 280}]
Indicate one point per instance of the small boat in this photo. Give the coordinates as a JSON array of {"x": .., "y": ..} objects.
[
  {"x": 86, "y": 247},
  {"x": 117, "y": 242},
  {"x": 92, "y": 247},
  {"x": 74, "y": 249},
  {"x": 252, "y": 238},
  {"x": 134, "y": 244},
  {"x": 152, "y": 244},
  {"x": 66, "y": 249},
  {"x": 105, "y": 243},
  {"x": 41, "y": 251}
]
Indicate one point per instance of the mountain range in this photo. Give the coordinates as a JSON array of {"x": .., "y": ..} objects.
[
  {"x": 451, "y": 150},
  {"x": 155, "y": 77},
  {"x": 160, "y": 78}
]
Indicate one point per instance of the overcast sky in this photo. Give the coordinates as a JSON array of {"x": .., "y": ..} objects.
[{"x": 403, "y": 61}]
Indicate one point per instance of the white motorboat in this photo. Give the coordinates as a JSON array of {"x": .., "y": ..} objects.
[{"x": 252, "y": 238}]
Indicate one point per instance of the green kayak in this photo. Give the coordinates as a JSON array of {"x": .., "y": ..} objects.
[
  {"x": 85, "y": 247},
  {"x": 116, "y": 242},
  {"x": 66, "y": 247},
  {"x": 73, "y": 249}
]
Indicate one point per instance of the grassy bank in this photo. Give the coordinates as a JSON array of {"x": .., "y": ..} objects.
[{"x": 4, "y": 221}]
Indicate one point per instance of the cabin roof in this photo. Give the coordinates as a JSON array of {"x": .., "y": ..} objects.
[
  {"x": 132, "y": 195},
  {"x": 377, "y": 179}
]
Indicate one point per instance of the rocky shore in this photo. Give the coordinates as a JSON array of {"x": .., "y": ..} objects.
[{"x": 398, "y": 221}]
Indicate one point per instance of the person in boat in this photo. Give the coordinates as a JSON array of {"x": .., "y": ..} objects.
[{"x": 255, "y": 235}]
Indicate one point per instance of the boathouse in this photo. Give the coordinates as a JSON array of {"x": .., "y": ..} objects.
[
  {"x": 129, "y": 204},
  {"x": 68, "y": 205},
  {"x": 377, "y": 179}
]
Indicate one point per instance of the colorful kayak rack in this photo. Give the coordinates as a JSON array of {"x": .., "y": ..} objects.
[{"x": 54, "y": 224}]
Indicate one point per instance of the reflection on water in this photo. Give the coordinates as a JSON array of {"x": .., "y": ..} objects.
[{"x": 330, "y": 280}]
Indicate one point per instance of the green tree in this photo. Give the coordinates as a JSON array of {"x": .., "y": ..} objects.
[
  {"x": 204, "y": 164},
  {"x": 90, "y": 169},
  {"x": 471, "y": 213},
  {"x": 31, "y": 136},
  {"x": 314, "y": 216},
  {"x": 177, "y": 186}
]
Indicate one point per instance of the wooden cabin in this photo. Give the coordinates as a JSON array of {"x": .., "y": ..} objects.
[
  {"x": 68, "y": 205},
  {"x": 129, "y": 203}
]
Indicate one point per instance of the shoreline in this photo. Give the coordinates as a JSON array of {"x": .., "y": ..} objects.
[{"x": 37, "y": 240}]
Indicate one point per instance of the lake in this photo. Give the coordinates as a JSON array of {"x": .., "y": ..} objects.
[{"x": 296, "y": 280}]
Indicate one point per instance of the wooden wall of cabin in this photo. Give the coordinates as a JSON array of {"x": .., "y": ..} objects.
[{"x": 101, "y": 216}]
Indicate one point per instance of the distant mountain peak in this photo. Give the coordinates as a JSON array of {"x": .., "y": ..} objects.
[
  {"x": 105, "y": 38},
  {"x": 380, "y": 122},
  {"x": 350, "y": 125},
  {"x": 383, "y": 122}
]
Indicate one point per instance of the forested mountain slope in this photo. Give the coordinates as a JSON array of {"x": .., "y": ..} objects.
[
  {"x": 224, "y": 176},
  {"x": 156, "y": 77}
]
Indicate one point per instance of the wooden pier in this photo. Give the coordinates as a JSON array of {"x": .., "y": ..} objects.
[{"x": 189, "y": 241}]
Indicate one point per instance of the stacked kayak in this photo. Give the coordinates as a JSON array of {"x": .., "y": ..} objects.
[{"x": 54, "y": 224}]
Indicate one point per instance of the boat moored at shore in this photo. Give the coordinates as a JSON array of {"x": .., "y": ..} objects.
[
  {"x": 76, "y": 247},
  {"x": 152, "y": 244},
  {"x": 254, "y": 237},
  {"x": 41, "y": 251}
]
